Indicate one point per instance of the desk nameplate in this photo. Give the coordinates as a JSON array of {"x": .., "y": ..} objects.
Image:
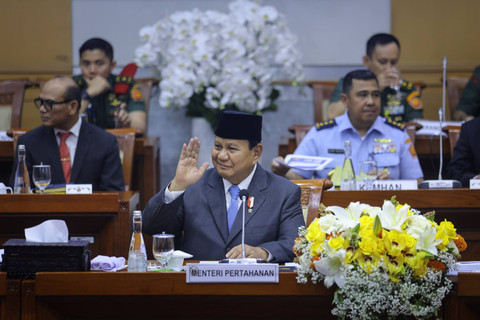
[
  {"x": 390, "y": 185},
  {"x": 232, "y": 273}
]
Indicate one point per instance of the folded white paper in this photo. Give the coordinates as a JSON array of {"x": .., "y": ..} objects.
[
  {"x": 109, "y": 264},
  {"x": 176, "y": 261},
  {"x": 48, "y": 231}
]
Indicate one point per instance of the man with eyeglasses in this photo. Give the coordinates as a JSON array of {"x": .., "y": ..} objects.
[{"x": 77, "y": 151}]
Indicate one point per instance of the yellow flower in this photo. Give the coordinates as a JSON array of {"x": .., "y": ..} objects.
[
  {"x": 351, "y": 255},
  {"x": 410, "y": 242},
  {"x": 314, "y": 232},
  {"x": 336, "y": 243},
  {"x": 368, "y": 246},
  {"x": 366, "y": 223},
  {"x": 368, "y": 263},
  {"x": 442, "y": 235},
  {"x": 449, "y": 229},
  {"x": 394, "y": 242},
  {"x": 394, "y": 267},
  {"x": 415, "y": 259}
]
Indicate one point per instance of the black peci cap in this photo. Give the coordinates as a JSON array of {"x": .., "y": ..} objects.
[{"x": 239, "y": 125}]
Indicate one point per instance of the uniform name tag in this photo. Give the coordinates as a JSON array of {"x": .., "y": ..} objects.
[{"x": 232, "y": 273}]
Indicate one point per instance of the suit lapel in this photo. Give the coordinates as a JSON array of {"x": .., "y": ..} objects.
[
  {"x": 83, "y": 144},
  {"x": 256, "y": 189},
  {"x": 217, "y": 203}
]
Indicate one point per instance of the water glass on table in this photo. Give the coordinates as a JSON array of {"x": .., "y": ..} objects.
[
  {"x": 163, "y": 247},
  {"x": 368, "y": 173},
  {"x": 42, "y": 176}
]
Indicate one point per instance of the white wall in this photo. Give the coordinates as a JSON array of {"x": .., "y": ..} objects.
[{"x": 330, "y": 32}]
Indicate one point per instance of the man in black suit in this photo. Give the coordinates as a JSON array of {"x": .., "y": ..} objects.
[
  {"x": 90, "y": 155},
  {"x": 465, "y": 164}
]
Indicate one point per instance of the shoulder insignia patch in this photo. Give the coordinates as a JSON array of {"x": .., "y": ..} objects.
[
  {"x": 325, "y": 124},
  {"x": 124, "y": 79},
  {"x": 414, "y": 100},
  {"x": 394, "y": 124},
  {"x": 136, "y": 93},
  {"x": 474, "y": 79},
  {"x": 406, "y": 85}
]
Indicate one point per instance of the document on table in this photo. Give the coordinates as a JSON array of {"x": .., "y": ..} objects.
[
  {"x": 306, "y": 162},
  {"x": 465, "y": 266}
]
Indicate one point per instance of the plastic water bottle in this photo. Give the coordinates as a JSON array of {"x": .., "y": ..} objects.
[
  {"x": 348, "y": 181},
  {"x": 22, "y": 180},
  {"x": 137, "y": 254}
]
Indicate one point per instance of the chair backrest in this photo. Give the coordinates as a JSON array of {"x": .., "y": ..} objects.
[
  {"x": 322, "y": 93},
  {"x": 126, "y": 146},
  {"x": 453, "y": 134},
  {"x": 311, "y": 198},
  {"x": 15, "y": 133},
  {"x": 299, "y": 130},
  {"x": 455, "y": 86},
  {"x": 11, "y": 103}
]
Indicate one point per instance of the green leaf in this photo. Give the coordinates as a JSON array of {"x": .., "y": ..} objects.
[{"x": 377, "y": 226}]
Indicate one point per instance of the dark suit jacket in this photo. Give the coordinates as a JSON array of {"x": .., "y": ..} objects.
[
  {"x": 465, "y": 163},
  {"x": 202, "y": 214},
  {"x": 97, "y": 159}
]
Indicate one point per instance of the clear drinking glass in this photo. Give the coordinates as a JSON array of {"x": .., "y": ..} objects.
[
  {"x": 163, "y": 247},
  {"x": 368, "y": 173},
  {"x": 42, "y": 176}
]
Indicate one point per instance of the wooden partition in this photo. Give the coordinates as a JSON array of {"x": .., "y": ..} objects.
[
  {"x": 10, "y": 298},
  {"x": 103, "y": 217}
]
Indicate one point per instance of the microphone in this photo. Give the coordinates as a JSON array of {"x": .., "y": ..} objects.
[
  {"x": 440, "y": 183},
  {"x": 244, "y": 196}
]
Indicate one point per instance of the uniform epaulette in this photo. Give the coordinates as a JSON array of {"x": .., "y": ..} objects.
[
  {"x": 124, "y": 79},
  {"x": 325, "y": 124},
  {"x": 395, "y": 124},
  {"x": 407, "y": 85}
]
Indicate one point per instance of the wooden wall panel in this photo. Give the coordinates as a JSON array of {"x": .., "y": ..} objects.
[{"x": 429, "y": 30}]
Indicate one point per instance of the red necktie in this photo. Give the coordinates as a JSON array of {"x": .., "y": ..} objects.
[{"x": 65, "y": 156}]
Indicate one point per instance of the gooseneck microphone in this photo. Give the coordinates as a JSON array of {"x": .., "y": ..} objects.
[{"x": 244, "y": 196}]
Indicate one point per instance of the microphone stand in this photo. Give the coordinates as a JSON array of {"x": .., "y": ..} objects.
[{"x": 440, "y": 183}]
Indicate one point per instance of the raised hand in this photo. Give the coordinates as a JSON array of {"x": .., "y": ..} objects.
[
  {"x": 187, "y": 171},
  {"x": 122, "y": 118}
]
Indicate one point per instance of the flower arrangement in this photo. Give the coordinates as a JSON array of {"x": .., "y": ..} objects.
[
  {"x": 209, "y": 61},
  {"x": 387, "y": 262}
]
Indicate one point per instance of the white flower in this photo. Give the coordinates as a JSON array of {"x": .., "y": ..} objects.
[
  {"x": 349, "y": 217},
  {"x": 332, "y": 268},
  {"x": 392, "y": 219},
  {"x": 233, "y": 53},
  {"x": 427, "y": 241},
  {"x": 416, "y": 225},
  {"x": 329, "y": 223}
]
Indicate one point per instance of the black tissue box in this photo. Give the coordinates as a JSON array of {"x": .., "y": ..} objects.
[{"x": 22, "y": 259}]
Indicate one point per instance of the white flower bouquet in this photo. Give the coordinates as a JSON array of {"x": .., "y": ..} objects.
[
  {"x": 388, "y": 262},
  {"x": 209, "y": 61}
]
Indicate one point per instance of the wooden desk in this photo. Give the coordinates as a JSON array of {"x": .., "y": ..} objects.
[
  {"x": 146, "y": 172},
  {"x": 460, "y": 206},
  {"x": 465, "y": 302},
  {"x": 124, "y": 295},
  {"x": 10, "y": 297},
  {"x": 105, "y": 216}
]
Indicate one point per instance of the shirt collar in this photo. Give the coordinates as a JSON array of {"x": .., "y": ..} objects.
[
  {"x": 75, "y": 130},
  {"x": 345, "y": 124},
  {"x": 242, "y": 185}
]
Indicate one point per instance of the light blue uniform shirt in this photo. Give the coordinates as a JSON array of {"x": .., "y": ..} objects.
[{"x": 390, "y": 145}]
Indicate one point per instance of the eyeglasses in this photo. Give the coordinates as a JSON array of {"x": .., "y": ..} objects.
[{"x": 47, "y": 103}]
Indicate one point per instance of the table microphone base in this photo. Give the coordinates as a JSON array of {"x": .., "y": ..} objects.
[
  {"x": 243, "y": 261},
  {"x": 440, "y": 184}
]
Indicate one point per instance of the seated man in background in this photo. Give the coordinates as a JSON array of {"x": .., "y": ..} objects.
[
  {"x": 469, "y": 105},
  {"x": 403, "y": 105},
  {"x": 203, "y": 205},
  {"x": 465, "y": 163},
  {"x": 77, "y": 151},
  {"x": 107, "y": 106},
  {"x": 370, "y": 135}
]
